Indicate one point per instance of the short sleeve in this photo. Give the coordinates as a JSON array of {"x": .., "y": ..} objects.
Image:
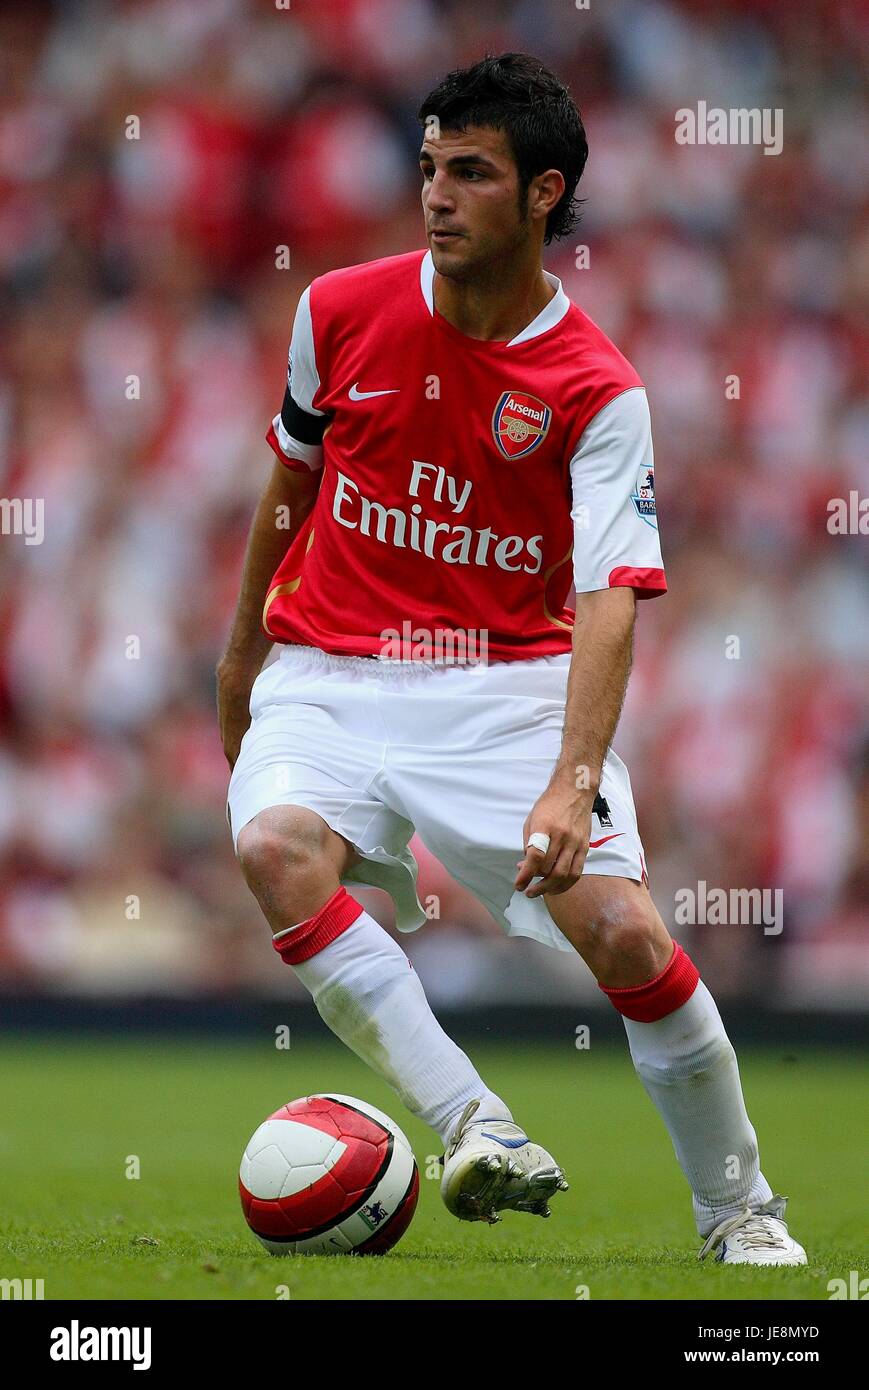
[
  {"x": 614, "y": 518},
  {"x": 296, "y": 433}
]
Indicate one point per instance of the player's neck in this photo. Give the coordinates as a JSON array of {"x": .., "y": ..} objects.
[{"x": 495, "y": 308}]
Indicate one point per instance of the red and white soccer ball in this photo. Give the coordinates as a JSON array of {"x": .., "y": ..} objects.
[{"x": 328, "y": 1175}]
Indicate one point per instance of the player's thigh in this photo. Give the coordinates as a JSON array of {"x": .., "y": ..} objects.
[
  {"x": 300, "y": 788},
  {"x": 470, "y": 810}
]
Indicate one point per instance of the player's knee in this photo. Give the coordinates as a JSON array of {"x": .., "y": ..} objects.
[
  {"x": 272, "y": 850},
  {"x": 626, "y": 957},
  {"x": 632, "y": 935},
  {"x": 626, "y": 933},
  {"x": 615, "y": 921}
]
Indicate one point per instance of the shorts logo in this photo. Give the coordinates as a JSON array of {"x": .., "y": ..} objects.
[
  {"x": 520, "y": 423},
  {"x": 643, "y": 497}
]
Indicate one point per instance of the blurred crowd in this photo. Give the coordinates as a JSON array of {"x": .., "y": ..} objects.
[{"x": 156, "y": 157}]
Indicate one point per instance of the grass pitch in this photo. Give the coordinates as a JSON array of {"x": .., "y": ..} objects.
[{"x": 73, "y": 1113}]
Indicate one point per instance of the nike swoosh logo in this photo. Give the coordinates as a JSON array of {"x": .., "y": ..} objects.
[
  {"x": 357, "y": 395},
  {"x": 505, "y": 1143},
  {"x": 594, "y": 844}
]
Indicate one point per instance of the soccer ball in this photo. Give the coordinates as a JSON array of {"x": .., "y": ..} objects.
[{"x": 328, "y": 1175}]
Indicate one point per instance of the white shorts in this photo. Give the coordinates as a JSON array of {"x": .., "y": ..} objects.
[{"x": 458, "y": 754}]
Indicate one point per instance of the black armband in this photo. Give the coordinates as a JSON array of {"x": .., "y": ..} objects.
[{"x": 300, "y": 424}]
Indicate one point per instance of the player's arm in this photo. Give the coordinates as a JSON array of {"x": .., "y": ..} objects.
[
  {"x": 598, "y": 677},
  {"x": 287, "y": 492},
  {"x": 617, "y": 559},
  {"x": 603, "y": 636},
  {"x": 296, "y": 436}
]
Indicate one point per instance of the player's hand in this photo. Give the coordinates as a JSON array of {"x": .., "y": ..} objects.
[
  {"x": 563, "y": 814},
  {"x": 234, "y": 684}
]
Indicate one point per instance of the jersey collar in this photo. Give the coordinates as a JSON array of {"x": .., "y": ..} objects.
[{"x": 548, "y": 317}]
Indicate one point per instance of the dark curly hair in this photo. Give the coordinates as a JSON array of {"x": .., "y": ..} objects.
[{"x": 519, "y": 95}]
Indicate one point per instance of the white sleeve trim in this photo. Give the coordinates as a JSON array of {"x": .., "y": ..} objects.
[
  {"x": 612, "y": 479},
  {"x": 303, "y": 377},
  {"x": 310, "y": 454}
]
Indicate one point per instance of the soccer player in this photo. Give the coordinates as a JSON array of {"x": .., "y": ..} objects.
[{"x": 458, "y": 445}]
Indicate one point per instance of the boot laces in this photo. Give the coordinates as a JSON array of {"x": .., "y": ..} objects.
[
  {"x": 756, "y": 1231},
  {"x": 464, "y": 1119},
  {"x": 759, "y": 1233}
]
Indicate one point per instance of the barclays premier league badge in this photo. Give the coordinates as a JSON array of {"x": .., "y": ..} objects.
[{"x": 644, "y": 497}]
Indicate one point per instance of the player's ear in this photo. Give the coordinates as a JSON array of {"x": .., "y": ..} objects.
[{"x": 546, "y": 192}]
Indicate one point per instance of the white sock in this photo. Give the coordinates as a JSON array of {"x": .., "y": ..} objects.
[
  {"x": 688, "y": 1067},
  {"x": 368, "y": 993}
]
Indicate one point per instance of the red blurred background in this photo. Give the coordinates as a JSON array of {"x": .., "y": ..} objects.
[{"x": 260, "y": 128}]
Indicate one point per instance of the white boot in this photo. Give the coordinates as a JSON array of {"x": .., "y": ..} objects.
[
  {"x": 491, "y": 1165},
  {"x": 755, "y": 1238}
]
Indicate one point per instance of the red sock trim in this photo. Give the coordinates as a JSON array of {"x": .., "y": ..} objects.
[
  {"x": 660, "y": 996},
  {"x": 309, "y": 937}
]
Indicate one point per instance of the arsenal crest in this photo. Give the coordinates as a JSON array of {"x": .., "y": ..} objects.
[{"x": 520, "y": 423}]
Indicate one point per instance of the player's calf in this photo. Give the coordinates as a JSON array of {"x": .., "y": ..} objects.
[
  {"x": 686, "y": 1063},
  {"x": 363, "y": 985}
]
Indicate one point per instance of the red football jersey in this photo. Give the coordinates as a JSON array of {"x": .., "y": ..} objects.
[{"x": 466, "y": 485}]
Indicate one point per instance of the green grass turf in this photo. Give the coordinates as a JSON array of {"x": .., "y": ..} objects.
[{"x": 72, "y": 1111}]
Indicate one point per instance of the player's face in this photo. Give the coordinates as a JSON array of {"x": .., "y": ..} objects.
[{"x": 470, "y": 198}]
